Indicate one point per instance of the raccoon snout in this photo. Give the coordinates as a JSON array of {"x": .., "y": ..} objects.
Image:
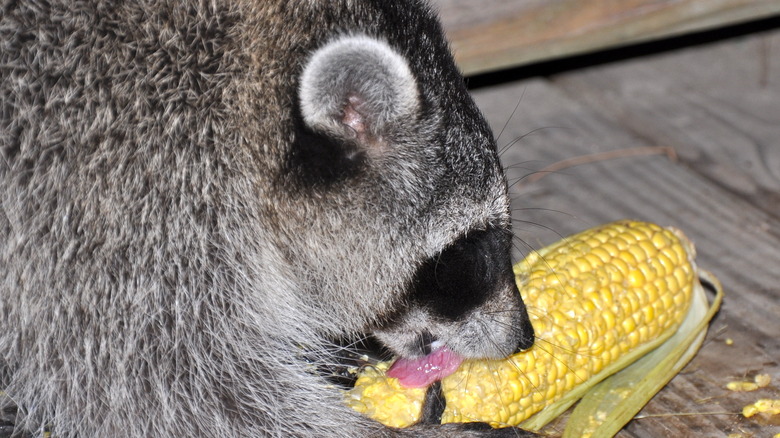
[{"x": 465, "y": 298}]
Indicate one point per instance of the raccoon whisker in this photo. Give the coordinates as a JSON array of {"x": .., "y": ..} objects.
[
  {"x": 512, "y": 182},
  {"x": 523, "y": 136},
  {"x": 560, "y": 347},
  {"x": 533, "y": 176},
  {"x": 535, "y": 311},
  {"x": 552, "y": 354},
  {"x": 498, "y": 311},
  {"x": 525, "y": 248},
  {"x": 525, "y": 376},
  {"x": 511, "y": 116},
  {"x": 504, "y": 351},
  {"x": 538, "y": 225},
  {"x": 551, "y": 210},
  {"x": 522, "y": 164},
  {"x": 331, "y": 348},
  {"x": 532, "y": 249},
  {"x": 507, "y": 324}
]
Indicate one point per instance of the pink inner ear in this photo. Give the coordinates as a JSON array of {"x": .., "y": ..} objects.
[{"x": 352, "y": 116}]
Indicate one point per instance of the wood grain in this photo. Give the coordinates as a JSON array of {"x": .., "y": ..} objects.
[
  {"x": 711, "y": 104},
  {"x": 716, "y": 106},
  {"x": 488, "y": 35}
]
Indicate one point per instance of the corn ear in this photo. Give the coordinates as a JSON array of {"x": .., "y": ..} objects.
[
  {"x": 612, "y": 403},
  {"x": 598, "y": 300}
]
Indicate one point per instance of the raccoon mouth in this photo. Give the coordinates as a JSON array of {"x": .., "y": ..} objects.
[{"x": 422, "y": 371}]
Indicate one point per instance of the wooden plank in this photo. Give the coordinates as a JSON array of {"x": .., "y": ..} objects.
[
  {"x": 493, "y": 34},
  {"x": 718, "y": 106},
  {"x": 736, "y": 240}
]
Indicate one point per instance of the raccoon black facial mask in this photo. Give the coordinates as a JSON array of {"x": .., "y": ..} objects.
[{"x": 465, "y": 299}]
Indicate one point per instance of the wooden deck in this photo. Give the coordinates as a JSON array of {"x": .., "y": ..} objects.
[
  {"x": 488, "y": 35},
  {"x": 717, "y": 106}
]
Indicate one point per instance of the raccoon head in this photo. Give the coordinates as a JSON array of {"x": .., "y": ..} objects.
[{"x": 416, "y": 170}]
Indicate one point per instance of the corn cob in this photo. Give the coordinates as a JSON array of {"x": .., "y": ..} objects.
[{"x": 593, "y": 298}]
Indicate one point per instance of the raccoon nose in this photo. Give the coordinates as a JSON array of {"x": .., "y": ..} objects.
[
  {"x": 526, "y": 340},
  {"x": 524, "y": 331}
]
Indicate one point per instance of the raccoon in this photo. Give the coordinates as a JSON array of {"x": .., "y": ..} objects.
[{"x": 200, "y": 198}]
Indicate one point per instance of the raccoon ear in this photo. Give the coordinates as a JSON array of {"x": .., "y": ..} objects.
[{"x": 357, "y": 87}]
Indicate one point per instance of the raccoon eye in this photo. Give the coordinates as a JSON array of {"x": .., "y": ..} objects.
[{"x": 355, "y": 89}]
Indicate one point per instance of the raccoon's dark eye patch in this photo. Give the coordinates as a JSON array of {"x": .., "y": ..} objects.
[{"x": 465, "y": 274}]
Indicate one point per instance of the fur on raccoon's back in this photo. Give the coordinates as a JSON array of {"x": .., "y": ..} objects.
[{"x": 175, "y": 234}]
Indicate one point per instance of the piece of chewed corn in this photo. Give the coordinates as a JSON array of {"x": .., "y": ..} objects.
[
  {"x": 763, "y": 406},
  {"x": 760, "y": 381},
  {"x": 592, "y": 298}
]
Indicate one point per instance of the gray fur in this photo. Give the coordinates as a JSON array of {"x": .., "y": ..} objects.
[
  {"x": 361, "y": 68},
  {"x": 170, "y": 250}
]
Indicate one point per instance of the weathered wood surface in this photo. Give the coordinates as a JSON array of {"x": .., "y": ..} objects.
[
  {"x": 488, "y": 35},
  {"x": 718, "y": 107}
]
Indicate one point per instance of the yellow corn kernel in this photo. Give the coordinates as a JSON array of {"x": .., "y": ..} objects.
[
  {"x": 763, "y": 406},
  {"x": 741, "y": 386},
  {"x": 631, "y": 298},
  {"x": 762, "y": 380},
  {"x": 759, "y": 381}
]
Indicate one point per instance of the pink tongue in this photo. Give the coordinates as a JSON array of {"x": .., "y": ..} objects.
[{"x": 416, "y": 373}]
